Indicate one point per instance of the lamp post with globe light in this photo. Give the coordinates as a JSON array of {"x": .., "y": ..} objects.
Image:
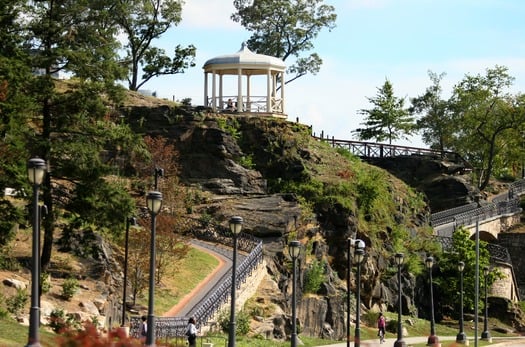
[
  {"x": 359, "y": 255},
  {"x": 461, "y": 336},
  {"x": 485, "y": 335},
  {"x": 294, "y": 247},
  {"x": 399, "y": 262},
  {"x": 36, "y": 169},
  {"x": 235, "y": 227},
  {"x": 433, "y": 340},
  {"x": 154, "y": 202}
]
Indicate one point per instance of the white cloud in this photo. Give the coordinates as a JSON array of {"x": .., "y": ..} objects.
[{"x": 208, "y": 14}]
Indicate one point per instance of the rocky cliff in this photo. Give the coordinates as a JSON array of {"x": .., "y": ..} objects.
[{"x": 287, "y": 185}]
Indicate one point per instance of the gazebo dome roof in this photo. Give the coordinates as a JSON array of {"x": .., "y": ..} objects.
[{"x": 251, "y": 63}]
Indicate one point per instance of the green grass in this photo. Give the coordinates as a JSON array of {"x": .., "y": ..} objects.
[
  {"x": 13, "y": 334},
  {"x": 190, "y": 272}
]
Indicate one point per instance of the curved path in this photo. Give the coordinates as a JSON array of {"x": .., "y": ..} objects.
[{"x": 191, "y": 300}]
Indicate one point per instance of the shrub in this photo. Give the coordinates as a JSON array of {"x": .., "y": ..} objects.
[
  {"x": 45, "y": 282},
  {"x": 59, "y": 321},
  {"x": 69, "y": 288},
  {"x": 242, "y": 324},
  {"x": 17, "y": 302},
  {"x": 314, "y": 277}
]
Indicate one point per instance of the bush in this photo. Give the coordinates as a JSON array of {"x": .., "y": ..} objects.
[
  {"x": 45, "y": 282},
  {"x": 17, "y": 302},
  {"x": 60, "y": 322},
  {"x": 69, "y": 288},
  {"x": 314, "y": 277},
  {"x": 242, "y": 324}
]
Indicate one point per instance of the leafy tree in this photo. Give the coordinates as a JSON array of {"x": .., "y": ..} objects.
[
  {"x": 484, "y": 114},
  {"x": 463, "y": 249},
  {"x": 435, "y": 122},
  {"x": 388, "y": 120},
  {"x": 70, "y": 122},
  {"x": 284, "y": 29},
  {"x": 142, "y": 22}
]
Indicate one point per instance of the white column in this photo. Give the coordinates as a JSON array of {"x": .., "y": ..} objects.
[
  {"x": 282, "y": 92},
  {"x": 240, "y": 107},
  {"x": 248, "y": 84},
  {"x": 221, "y": 99},
  {"x": 269, "y": 91},
  {"x": 214, "y": 93},
  {"x": 205, "y": 89}
]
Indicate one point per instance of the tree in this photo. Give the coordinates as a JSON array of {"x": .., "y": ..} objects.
[
  {"x": 435, "y": 122},
  {"x": 463, "y": 249},
  {"x": 69, "y": 123},
  {"x": 284, "y": 29},
  {"x": 484, "y": 114},
  {"x": 388, "y": 120},
  {"x": 142, "y": 22}
]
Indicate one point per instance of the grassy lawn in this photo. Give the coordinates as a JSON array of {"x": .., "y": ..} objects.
[{"x": 189, "y": 272}]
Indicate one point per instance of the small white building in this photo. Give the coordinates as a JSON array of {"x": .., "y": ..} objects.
[{"x": 245, "y": 64}]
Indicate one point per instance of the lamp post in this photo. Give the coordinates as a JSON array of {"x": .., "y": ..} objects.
[
  {"x": 129, "y": 221},
  {"x": 36, "y": 169},
  {"x": 359, "y": 255},
  {"x": 399, "y": 342},
  {"x": 485, "y": 335},
  {"x": 294, "y": 247},
  {"x": 235, "y": 227},
  {"x": 154, "y": 202},
  {"x": 433, "y": 340},
  {"x": 348, "y": 272},
  {"x": 461, "y": 336}
]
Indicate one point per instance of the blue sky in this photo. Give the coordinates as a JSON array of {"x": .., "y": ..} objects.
[{"x": 374, "y": 40}]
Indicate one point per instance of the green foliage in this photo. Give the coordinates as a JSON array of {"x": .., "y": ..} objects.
[
  {"x": 285, "y": 29},
  {"x": 388, "y": 120},
  {"x": 70, "y": 288},
  {"x": 61, "y": 322},
  {"x": 246, "y": 161},
  {"x": 488, "y": 120},
  {"x": 143, "y": 22},
  {"x": 16, "y": 303},
  {"x": 10, "y": 216},
  {"x": 314, "y": 276},
  {"x": 45, "y": 282},
  {"x": 230, "y": 126},
  {"x": 463, "y": 249},
  {"x": 7, "y": 260},
  {"x": 435, "y": 122},
  {"x": 242, "y": 322}
]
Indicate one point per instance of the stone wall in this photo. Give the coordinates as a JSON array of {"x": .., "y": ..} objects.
[
  {"x": 515, "y": 244},
  {"x": 504, "y": 287}
]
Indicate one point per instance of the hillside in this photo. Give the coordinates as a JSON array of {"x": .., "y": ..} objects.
[{"x": 285, "y": 185}]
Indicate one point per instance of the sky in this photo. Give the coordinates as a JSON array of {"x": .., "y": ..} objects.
[{"x": 374, "y": 40}]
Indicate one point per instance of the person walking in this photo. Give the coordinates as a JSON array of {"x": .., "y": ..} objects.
[
  {"x": 191, "y": 332},
  {"x": 381, "y": 324}
]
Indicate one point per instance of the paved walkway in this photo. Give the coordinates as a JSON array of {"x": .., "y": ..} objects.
[
  {"x": 190, "y": 300},
  {"x": 446, "y": 341}
]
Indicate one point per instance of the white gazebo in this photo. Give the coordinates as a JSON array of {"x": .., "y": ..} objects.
[{"x": 245, "y": 63}]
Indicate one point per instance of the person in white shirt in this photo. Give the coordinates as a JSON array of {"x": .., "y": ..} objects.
[{"x": 191, "y": 332}]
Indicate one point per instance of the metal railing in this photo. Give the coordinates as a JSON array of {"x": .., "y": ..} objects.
[
  {"x": 383, "y": 150},
  {"x": 497, "y": 253},
  {"x": 171, "y": 327}
]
